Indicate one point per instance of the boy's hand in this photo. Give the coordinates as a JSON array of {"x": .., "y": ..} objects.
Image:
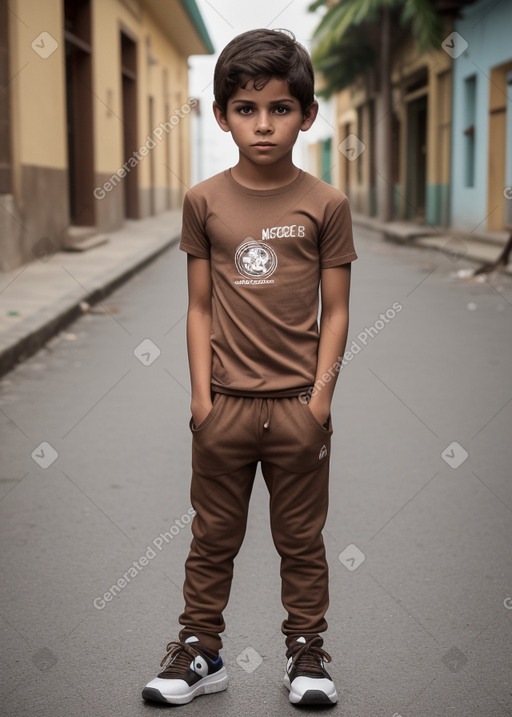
[
  {"x": 200, "y": 410},
  {"x": 319, "y": 409}
]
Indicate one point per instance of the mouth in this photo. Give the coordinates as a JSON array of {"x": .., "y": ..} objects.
[{"x": 263, "y": 144}]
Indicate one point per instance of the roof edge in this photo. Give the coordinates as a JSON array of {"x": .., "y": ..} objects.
[{"x": 196, "y": 18}]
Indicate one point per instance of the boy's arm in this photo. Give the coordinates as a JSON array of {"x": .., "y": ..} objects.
[
  {"x": 335, "y": 291},
  {"x": 199, "y": 322}
]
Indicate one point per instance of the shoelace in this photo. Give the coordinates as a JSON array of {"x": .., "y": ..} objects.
[
  {"x": 308, "y": 656},
  {"x": 180, "y": 655}
]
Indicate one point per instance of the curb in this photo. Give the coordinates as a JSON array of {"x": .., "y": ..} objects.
[
  {"x": 478, "y": 249},
  {"x": 31, "y": 335}
]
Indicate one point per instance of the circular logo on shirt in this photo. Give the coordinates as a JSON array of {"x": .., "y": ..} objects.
[{"x": 255, "y": 260}]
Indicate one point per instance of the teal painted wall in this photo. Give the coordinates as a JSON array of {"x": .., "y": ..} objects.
[
  {"x": 486, "y": 27},
  {"x": 327, "y": 160},
  {"x": 437, "y": 205}
]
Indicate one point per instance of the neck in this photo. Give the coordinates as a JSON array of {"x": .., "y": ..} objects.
[{"x": 270, "y": 176}]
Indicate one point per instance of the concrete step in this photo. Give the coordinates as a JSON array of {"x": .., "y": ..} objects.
[
  {"x": 481, "y": 247},
  {"x": 83, "y": 238},
  {"x": 403, "y": 232},
  {"x": 482, "y": 252}
]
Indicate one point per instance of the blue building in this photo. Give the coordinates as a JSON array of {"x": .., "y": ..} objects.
[{"x": 481, "y": 177}]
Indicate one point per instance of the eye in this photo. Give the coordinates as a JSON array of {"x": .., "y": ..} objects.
[
  {"x": 281, "y": 110},
  {"x": 245, "y": 110},
  {"x": 199, "y": 665}
]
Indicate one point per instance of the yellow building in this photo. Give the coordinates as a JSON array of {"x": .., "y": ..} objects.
[
  {"x": 421, "y": 121},
  {"x": 94, "y": 118}
]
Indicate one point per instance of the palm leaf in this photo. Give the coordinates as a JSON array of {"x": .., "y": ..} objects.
[
  {"x": 343, "y": 34},
  {"x": 315, "y": 5},
  {"x": 340, "y": 62},
  {"x": 425, "y": 22}
]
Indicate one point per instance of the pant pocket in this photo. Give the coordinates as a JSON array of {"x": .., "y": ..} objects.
[
  {"x": 326, "y": 429},
  {"x": 209, "y": 418}
]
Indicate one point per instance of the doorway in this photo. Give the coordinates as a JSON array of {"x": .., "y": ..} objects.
[
  {"x": 416, "y": 181},
  {"x": 129, "y": 90},
  {"x": 77, "y": 34},
  {"x": 500, "y": 149}
]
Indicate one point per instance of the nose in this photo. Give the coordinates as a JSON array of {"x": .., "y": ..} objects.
[{"x": 263, "y": 122}]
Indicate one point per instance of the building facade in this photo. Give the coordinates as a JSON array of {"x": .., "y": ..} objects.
[
  {"x": 452, "y": 127},
  {"x": 421, "y": 132},
  {"x": 482, "y": 119},
  {"x": 95, "y": 116}
]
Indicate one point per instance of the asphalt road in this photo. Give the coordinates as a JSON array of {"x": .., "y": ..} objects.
[{"x": 94, "y": 486}]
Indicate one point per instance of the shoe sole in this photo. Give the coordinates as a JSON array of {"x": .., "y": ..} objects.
[
  {"x": 313, "y": 697},
  {"x": 220, "y": 683},
  {"x": 310, "y": 697}
]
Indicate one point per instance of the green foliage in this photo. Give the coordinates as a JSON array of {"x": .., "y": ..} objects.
[
  {"x": 344, "y": 47},
  {"x": 343, "y": 61},
  {"x": 425, "y": 23}
]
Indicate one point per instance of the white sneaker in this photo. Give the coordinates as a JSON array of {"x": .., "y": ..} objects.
[
  {"x": 306, "y": 678},
  {"x": 191, "y": 670}
]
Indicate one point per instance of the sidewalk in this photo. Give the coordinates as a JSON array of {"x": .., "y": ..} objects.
[
  {"x": 40, "y": 298},
  {"x": 482, "y": 248}
]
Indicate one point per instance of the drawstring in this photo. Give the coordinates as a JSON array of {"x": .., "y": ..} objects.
[{"x": 269, "y": 402}]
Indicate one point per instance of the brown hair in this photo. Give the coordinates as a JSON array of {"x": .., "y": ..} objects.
[{"x": 260, "y": 55}]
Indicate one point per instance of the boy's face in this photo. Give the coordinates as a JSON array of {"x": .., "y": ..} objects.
[{"x": 265, "y": 123}]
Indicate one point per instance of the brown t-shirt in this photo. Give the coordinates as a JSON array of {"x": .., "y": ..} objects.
[{"x": 266, "y": 249}]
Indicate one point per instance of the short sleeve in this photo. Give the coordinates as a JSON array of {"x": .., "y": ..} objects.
[
  {"x": 336, "y": 240},
  {"x": 194, "y": 239}
]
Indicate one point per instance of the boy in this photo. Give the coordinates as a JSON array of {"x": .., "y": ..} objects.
[{"x": 260, "y": 238}]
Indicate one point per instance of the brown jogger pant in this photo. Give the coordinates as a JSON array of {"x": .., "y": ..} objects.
[{"x": 294, "y": 451}]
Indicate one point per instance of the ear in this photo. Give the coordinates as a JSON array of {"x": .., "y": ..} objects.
[
  {"x": 309, "y": 116},
  {"x": 220, "y": 117}
]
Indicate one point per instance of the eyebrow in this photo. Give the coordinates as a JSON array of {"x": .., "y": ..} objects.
[{"x": 273, "y": 102}]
